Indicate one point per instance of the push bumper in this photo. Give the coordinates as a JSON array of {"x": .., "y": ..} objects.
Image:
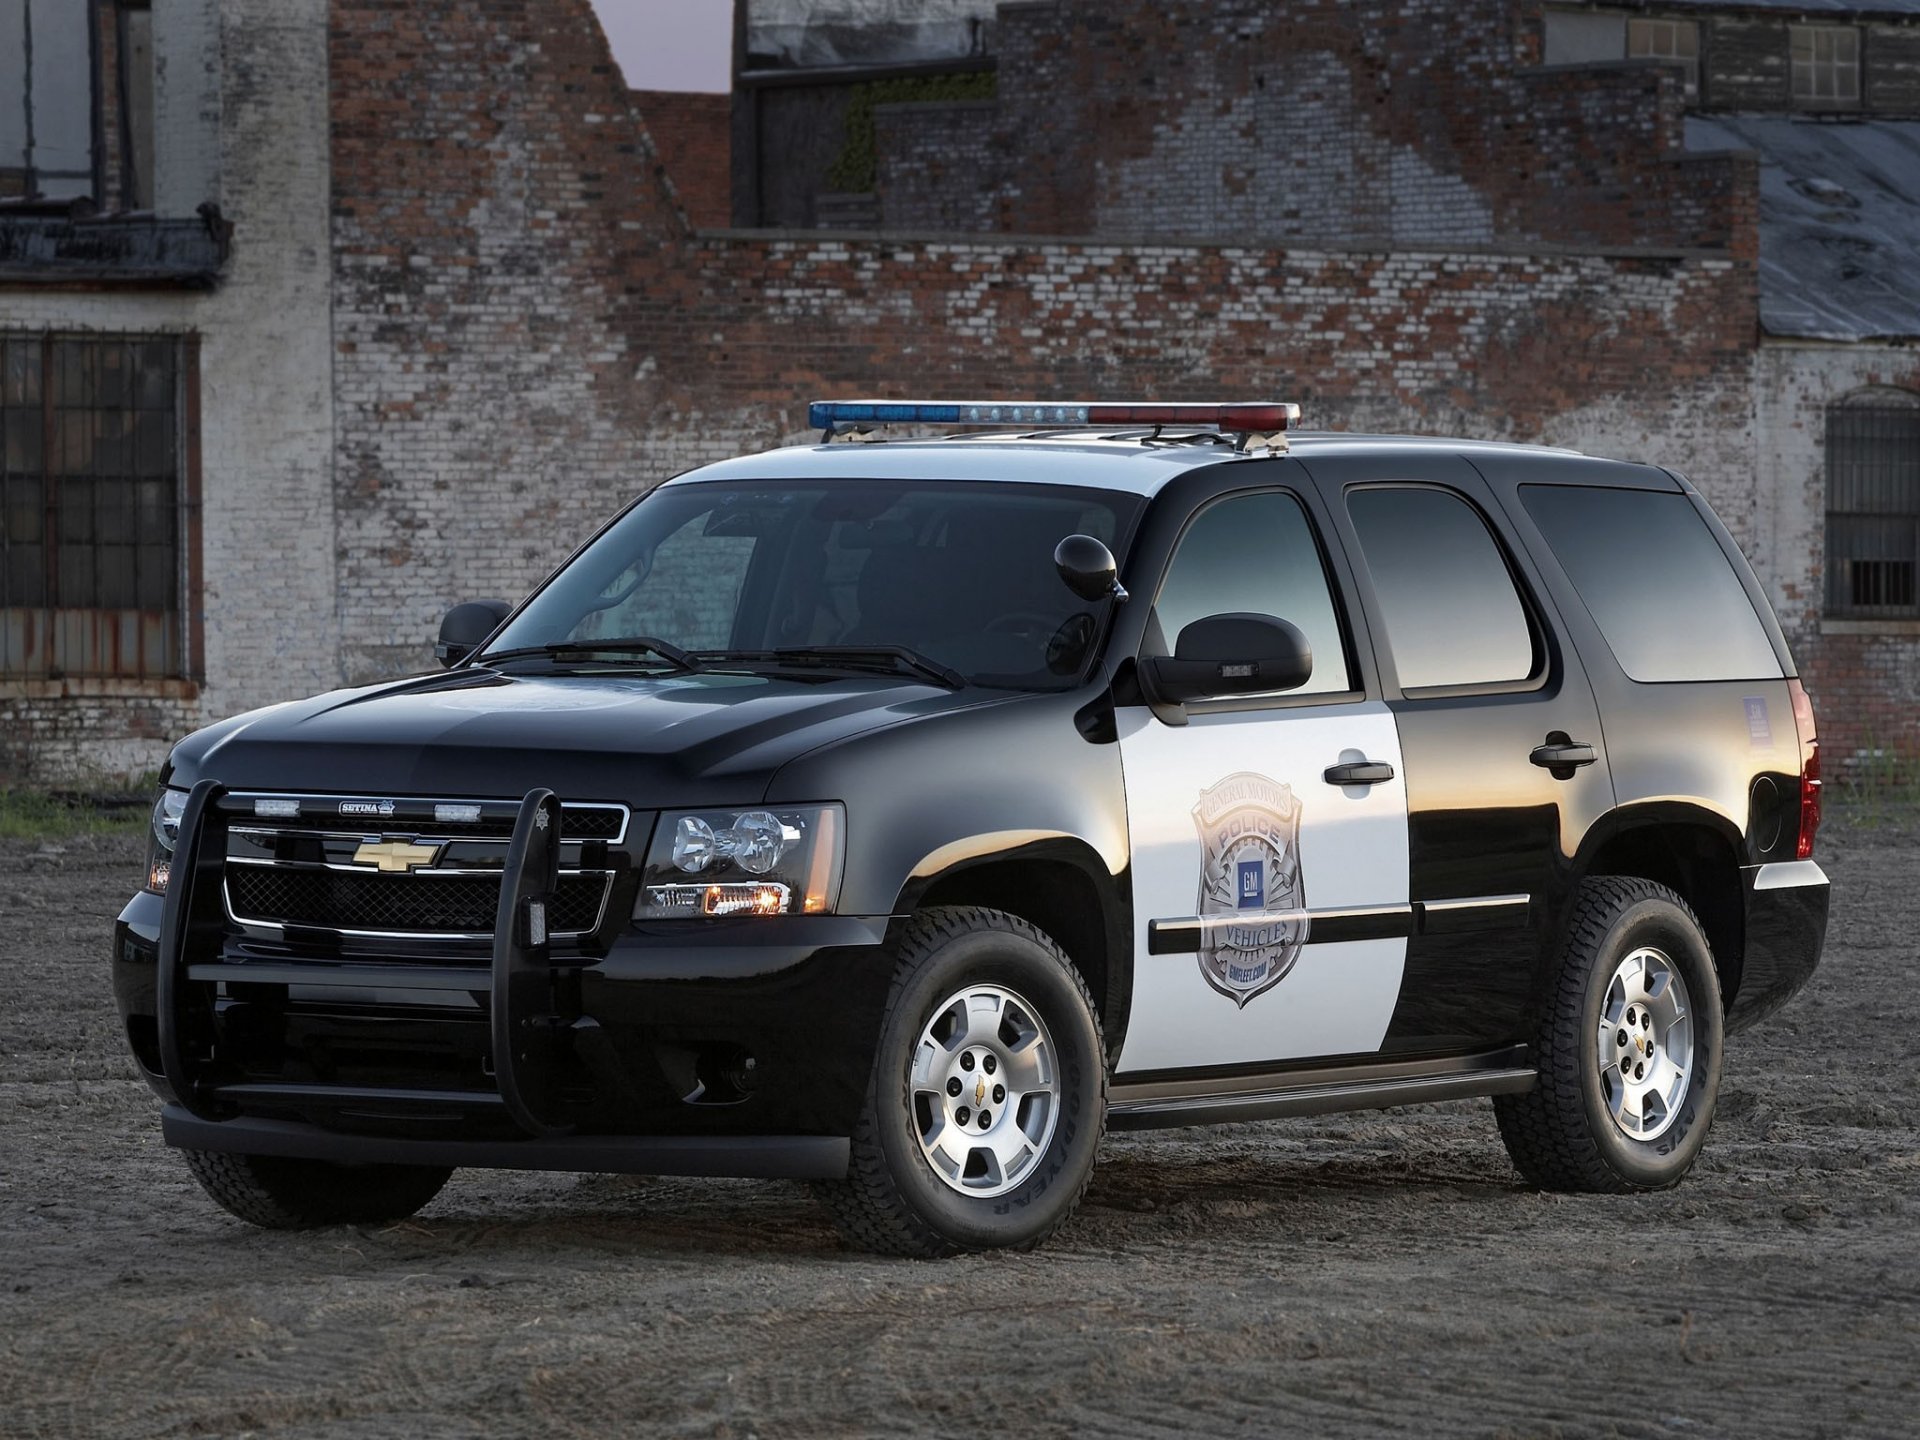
[
  {"x": 737, "y": 1047},
  {"x": 1786, "y": 927}
]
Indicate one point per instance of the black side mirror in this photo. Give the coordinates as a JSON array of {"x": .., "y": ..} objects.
[
  {"x": 466, "y": 628},
  {"x": 1088, "y": 568},
  {"x": 1233, "y": 654}
]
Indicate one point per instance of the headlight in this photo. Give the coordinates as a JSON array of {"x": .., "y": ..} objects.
[
  {"x": 768, "y": 861},
  {"x": 167, "y": 811}
]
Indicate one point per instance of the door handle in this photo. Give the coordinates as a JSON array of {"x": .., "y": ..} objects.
[
  {"x": 1359, "y": 772},
  {"x": 1567, "y": 755}
]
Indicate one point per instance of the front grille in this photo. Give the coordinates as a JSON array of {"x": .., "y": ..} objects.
[{"x": 422, "y": 904}]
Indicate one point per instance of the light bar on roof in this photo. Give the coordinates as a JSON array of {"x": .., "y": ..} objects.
[{"x": 1264, "y": 417}]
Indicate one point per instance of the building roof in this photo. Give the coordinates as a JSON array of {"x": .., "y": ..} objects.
[{"x": 1839, "y": 222}]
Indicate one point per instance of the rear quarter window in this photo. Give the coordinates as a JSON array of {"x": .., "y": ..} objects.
[{"x": 1656, "y": 582}]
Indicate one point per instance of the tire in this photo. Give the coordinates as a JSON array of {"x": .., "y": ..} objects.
[
  {"x": 282, "y": 1194},
  {"x": 1563, "y": 1134},
  {"x": 1015, "y": 1185}
]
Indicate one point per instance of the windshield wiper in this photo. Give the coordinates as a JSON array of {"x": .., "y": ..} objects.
[
  {"x": 637, "y": 645},
  {"x": 852, "y": 657}
]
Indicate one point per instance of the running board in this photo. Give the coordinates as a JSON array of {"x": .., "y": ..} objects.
[{"x": 1145, "y": 1106}]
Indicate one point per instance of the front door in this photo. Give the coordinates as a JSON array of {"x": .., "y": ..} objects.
[{"x": 1270, "y": 884}]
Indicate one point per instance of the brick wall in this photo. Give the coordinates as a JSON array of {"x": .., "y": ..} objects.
[
  {"x": 693, "y": 136},
  {"x": 527, "y": 335},
  {"x": 1392, "y": 123},
  {"x": 266, "y": 393}
]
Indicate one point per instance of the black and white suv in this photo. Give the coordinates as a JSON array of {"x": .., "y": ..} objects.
[{"x": 898, "y": 816}]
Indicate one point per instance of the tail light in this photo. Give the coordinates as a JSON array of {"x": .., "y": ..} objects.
[{"x": 1809, "y": 769}]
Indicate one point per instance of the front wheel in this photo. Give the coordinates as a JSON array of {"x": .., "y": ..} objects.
[
  {"x": 988, "y": 1095},
  {"x": 1628, "y": 1048}
]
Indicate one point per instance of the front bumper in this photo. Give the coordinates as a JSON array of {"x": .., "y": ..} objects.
[
  {"x": 1786, "y": 927},
  {"x": 738, "y": 1046}
]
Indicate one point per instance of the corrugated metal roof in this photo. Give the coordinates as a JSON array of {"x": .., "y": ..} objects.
[
  {"x": 1808, "y": 7},
  {"x": 1839, "y": 222}
]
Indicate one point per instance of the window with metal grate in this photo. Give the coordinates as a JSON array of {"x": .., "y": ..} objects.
[
  {"x": 1873, "y": 507},
  {"x": 99, "y": 506}
]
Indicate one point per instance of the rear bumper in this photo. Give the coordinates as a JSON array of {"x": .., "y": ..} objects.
[{"x": 1786, "y": 928}]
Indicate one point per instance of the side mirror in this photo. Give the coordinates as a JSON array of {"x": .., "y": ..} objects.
[
  {"x": 466, "y": 628},
  {"x": 1233, "y": 654},
  {"x": 1088, "y": 568}
]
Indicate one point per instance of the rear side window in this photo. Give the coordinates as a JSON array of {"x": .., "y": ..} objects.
[
  {"x": 1656, "y": 582},
  {"x": 1452, "y": 614}
]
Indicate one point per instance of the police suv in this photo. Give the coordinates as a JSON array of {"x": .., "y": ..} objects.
[{"x": 899, "y": 816}]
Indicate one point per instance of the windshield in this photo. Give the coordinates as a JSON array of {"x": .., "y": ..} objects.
[{"x": 960, "y": 574}]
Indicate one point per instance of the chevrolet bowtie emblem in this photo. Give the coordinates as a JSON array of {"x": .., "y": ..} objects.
[
  {"x": 979, "y": 1091},
  {"x": 396, "y": 857}
]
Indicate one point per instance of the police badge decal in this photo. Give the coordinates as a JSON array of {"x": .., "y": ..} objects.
[{"x": 1249, "y": 866}]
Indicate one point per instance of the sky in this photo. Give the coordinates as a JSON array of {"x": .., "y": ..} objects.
[{"x": 671, "y": 44}]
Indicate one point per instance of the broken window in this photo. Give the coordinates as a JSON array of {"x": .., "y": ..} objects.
[
  {"x": 1873, "y": 507},
  {"x": 98, "y": 507},
  {"x": 76, "y": 102},
  {"x": 1826, "y": 65},
  {"x": 1676, "y": 40}
]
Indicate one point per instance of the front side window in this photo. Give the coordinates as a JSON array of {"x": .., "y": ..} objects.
[
  {"x": 1255, "y": 554},
  {"x": 1826, "y": 65},
  {"x": 1656, "y": 582},
  {"x": 1453, "y": 616},
  {"x": 1873, "y": 507},
  {"x": 959, "y": 573},
  {"x": 97, "y": 506},
  {"x": 1677, "y": 40}
]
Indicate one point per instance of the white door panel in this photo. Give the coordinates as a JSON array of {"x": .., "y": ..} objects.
[{"x": 1233, "y": 826}]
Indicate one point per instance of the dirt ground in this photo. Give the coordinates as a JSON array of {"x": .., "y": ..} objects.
[{"x": 1364, "y": 1275}]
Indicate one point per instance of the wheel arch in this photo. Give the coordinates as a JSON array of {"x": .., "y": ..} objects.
[
  {"x": 1061, "y": 886},
  {"x": 1694, "y": 852}
]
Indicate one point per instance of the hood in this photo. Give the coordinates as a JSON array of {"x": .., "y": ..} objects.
[{"x": 651, "y": 741}]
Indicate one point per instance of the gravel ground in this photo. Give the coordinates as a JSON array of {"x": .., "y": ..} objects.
[{"x": 1374, "y": 1274}]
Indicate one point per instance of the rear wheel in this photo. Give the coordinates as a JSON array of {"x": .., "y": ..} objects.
[
  {"x": 283, "y": 1194},
  {"x": 988, "y": 1094},
  {"x": 1628, "y": 1050}
]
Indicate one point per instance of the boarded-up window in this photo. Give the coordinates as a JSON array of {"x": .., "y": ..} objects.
[
  {"x": 97, "y": 506},
  {"x": 1873, "y": 508}
]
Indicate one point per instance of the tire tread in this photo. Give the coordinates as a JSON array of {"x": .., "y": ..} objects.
[{"x": 1546, "y": 1130}]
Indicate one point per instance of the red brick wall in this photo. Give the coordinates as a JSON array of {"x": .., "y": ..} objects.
[
  {"x": 693, "y": 136},
  {"x": 529, "y": 333}
]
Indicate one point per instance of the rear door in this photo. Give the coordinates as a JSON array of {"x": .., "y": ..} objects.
[
  {"x": 1505, "y": 764},
  {"x": 1270, "y": 899}
]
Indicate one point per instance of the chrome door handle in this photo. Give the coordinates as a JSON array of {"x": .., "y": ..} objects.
[
  {"x": 1566, "y": 755},
  {"x": 1359, "y": 772}
]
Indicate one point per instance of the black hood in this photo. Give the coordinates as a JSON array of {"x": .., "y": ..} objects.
[{"x": 648, "y": 740}]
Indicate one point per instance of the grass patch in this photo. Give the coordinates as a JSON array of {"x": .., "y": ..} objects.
[
  {"x": 54, "y": 815},
  {"x": 1879, "y": 787}
]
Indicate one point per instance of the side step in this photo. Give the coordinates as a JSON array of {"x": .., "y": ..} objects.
[{"x": 1149, "y": 1104}]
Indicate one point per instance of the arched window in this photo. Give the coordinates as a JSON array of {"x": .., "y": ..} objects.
[{"x": 1873, "y": 506}]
